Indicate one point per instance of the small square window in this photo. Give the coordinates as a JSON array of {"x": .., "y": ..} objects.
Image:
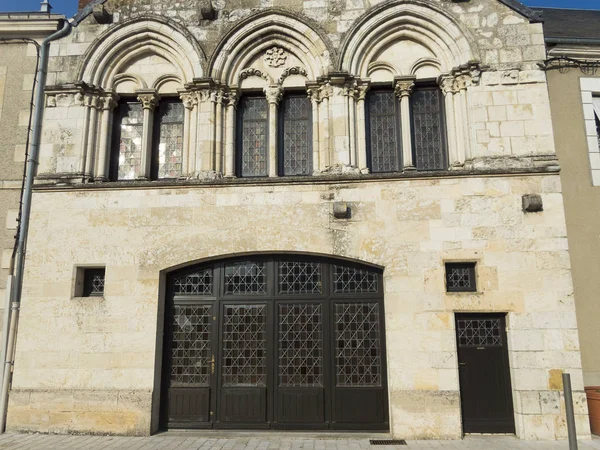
[
  {"x": 93, "y": 282},
  {"x": 460, "y": 277}
]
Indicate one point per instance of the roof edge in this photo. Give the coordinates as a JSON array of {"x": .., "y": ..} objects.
[{"x": 529, "y": 13}]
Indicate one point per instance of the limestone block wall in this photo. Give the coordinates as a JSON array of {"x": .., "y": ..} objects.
[
  {"x": 484, "y": 55},
  {"x": 17, "y": 71},
  {"x": 89, "y": 364}
]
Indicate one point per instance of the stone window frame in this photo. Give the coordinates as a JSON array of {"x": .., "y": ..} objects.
[
  {"x": 274, "y": 96},
  {"x": 150, "y": 102},
  {"x": 590, "y": 96}
]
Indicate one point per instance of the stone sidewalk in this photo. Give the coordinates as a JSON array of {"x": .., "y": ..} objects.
[{"x": 266, "y": 441}]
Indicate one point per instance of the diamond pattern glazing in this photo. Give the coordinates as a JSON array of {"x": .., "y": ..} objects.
[
  {"x": 357, "y": 344},
  {"x": 349, "y": 280},
  {"x": 244, "y": 345},
  {"x": 170, "y": 139},
  {"x": 299, "y": 277},
  {"x": 300, "y": 345},
  {"x": 130, "y": 141},
  {"x": 479, "y": 333},
  {"x": 460, "y": 277},
  {"x": 428, "y": 141},
  {"x": 98, "y": 284},
  {"x": 297, "y": 153},
  {"x": 246, "y": 277},
  {"x": 196, "y": 283},
  {"x": 254, "y": 135},
  {"x": 191, "y": 345},
  {"x": 383, "y": 127}
]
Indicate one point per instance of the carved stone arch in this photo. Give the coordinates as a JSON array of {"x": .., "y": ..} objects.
[
  {"x": 249, "y": 73},
  {"x": 412, "y": 21},
  {"x": 262, "y": 32},
  {"x": 162, "y": 83},
  {"x": 125, "y": 78},
  {"x": 119, "y": 45},
  {"x": 382, "y": 66},
  {"x": 424, "y": 63}
]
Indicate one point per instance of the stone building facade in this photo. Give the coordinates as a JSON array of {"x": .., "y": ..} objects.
[
  {"x": 573, "y": 66},
  {"x": 384, "y": 173}
]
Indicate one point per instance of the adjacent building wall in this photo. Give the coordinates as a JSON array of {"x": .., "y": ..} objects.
[{"x": 582, "y": 203}]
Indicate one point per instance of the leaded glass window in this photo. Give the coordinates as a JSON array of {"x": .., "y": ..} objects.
[
  {"x": 93, "y": 282},
  {"x": 350, "y": 280},
  {"x": 358, "y": 344},
  {"x": 460, "y": 277},
  {"x": 253, "y": 137},
  {"x": 246, "y": 277},
  {"x": 384, "y": 148},
  {"x": 479, "y": 333},
  {"x": 296, "y": 154},
  {"x": 300, "y": 277},
  {"x": 169, "y": 144},
  {"x": 244, "y": 345},
  {"x": 199, "y": 282},
  {"x": 129, "y": 128},
  {"x": 300, "y": 344},
  {"x": 191, "y": 345},
  {"x": 429, "y": 149}
]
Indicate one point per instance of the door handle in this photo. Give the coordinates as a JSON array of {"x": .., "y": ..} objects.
[{"x": 212, "y": 365}]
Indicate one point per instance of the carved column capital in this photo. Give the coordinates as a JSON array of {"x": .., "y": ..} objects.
[
  {"x": 107, "y": 103},
  {"x": 273, "y": 94},
  {"x": 404, "y": 87},
  {"x": 189, "y": 100},
  {"x": 232, "y": 98},
  {"x": 461, "y": 82},
  {"x": 148, "y": 100},
  {"x": 447, "y": 84},
  {"x": 361, "y": 90},
  {"x": 314, "y": 93}
]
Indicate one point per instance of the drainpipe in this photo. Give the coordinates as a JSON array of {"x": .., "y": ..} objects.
[{"x": 32, "y": 164}]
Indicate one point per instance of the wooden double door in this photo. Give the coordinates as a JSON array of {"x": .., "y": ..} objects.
[{"x": 289, "y": 343}]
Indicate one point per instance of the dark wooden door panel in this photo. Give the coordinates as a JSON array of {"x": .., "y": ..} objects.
[
  {"x": 359, "y": 405},
  {"x": 300, "y": 405},
  {"x": 486, "y": 395},
  {"x": 189, "y": 407},
  {"x": 243, "y": 405}
]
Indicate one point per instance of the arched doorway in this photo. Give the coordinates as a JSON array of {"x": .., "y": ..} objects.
[{"x": 277, "y": 341}]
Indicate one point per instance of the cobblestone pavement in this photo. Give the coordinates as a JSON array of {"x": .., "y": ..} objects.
[{"x": 264, "y": 441}]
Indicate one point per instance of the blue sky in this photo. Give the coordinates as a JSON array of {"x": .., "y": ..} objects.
[{"x": 69, "y": 7}]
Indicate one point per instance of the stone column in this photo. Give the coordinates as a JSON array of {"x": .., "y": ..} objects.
[
  {"x": 460, "y": 118},
  {"x": 361, "y": 131},
  {"x": 315, "y": 100},
  {"x": 204, "y": 132},
  {"x": 273, "y": 94},
  {"x": 149, "y": 102},
  {"x": 326, "y": 92},
  {"x": 461, "y": 85},
  {"x": 351, "y": 94},
  {"x": 107, "y": 104},
  {"x": 89, "y": 144},
  {"x": 403, "y": 89},
  {"x": 447, "y": 86},
  {"x": 189, "y": 132},
  {"x": 232, "y": 100},
  {"x": 218, "y": 99}
]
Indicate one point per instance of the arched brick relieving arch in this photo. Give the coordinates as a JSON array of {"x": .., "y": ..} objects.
[
  {"x": 255, "y": 35},
  {"x": 118, "y": 45},
  {"x": 413, "y": 20}
]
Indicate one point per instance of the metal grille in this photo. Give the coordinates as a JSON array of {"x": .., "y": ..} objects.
[
  {"x": 300, "y": 345},
  {"x": 246, "y": 277},
  {"x": 170, "y": 139},
  {"x": 349, "y": 280},
  {"x": 387, "y": 442},
  {"x": 196, "y": 283},
  {"x": 93, "y": 282},
  {"x": 244, "y": 345},
  {"x": 383, "y": 125},
  {"x": 191, "y": 346},
  {"x": 130, "y": 142},
  {"x": 357, "y": 344},
  {"x": 428, "y": 141},
  {"x": 300, "y": 277},
  {"x": 479, "y": 333},
  {"x": 254, "y": 136},
  {"x": 297, "y": 154},
  {"x": 460, "y": 277}
]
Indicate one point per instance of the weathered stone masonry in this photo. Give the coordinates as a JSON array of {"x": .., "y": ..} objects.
[{"x": 90, "y": 365}]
